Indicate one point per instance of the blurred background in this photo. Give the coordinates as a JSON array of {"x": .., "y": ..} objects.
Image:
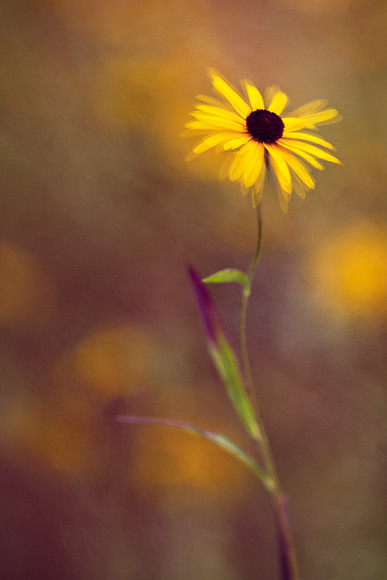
[{"x": 100, "y": 215}]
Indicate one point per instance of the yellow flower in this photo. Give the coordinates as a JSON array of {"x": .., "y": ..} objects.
[{"x": 257, "y": 137}]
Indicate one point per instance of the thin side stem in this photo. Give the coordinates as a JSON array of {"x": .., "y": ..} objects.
[{"x": 286, "y": 546}]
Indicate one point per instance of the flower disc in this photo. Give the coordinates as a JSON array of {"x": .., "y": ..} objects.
[{"x": 265, "y": 126}]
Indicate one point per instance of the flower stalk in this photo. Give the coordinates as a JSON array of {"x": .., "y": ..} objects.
[{"x": 286, "y": 547}]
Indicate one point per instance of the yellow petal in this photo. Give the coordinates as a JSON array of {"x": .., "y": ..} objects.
[
  {"x": 212, "y": 141},
  {"x": 275, "y": 99},
  {"x": 257, "y": 196},
  {"x": 325, "y": 117},
  {"x": 258, "y": 187},
  {"x": 239, "y": 163},
  {"x": 307, "y": 137},
  {"x": 311, "y": 149},
  {"x": 278, "y": 103},
  {"x": 281, "y": 168},
  {"x": 218, "y": 112},
  {"x": 213, "y": 123},
  {"x": 294, "y": 124},
  {"x": 234, "y": 143},
  {"x": 306, "y": 156},
  {"x": 299, "y": 187},
  {"x": 283, "y": 200},
  {"x": 202, "y": 116},
  {"x": 212, "y": 101},
  {"x": 244, "y": 190},
  {"x": 255, "y": 97},
  {"x": 298, "y": 168},
  {"x": 231, "y": 95},
  {"x": 270, "y": 93},
  {"x": 311, "y": 107},
  {"x": 253, "y": 163}
]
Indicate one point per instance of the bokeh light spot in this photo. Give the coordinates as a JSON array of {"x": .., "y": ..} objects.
[
  {"x": 63, "y": 442},
  {"x": 112, "y": 361},
  {"x": 350, "y": 271},
  {"x": 168, "y": 460},
  {"x": 25, "y": 291}
]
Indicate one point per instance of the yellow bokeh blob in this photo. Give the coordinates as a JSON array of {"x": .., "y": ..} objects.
[
  {"x": 169, "y": 462},
  {"x": 63, "y": 430},
  {"x": 350, "y": 270},
  {"x": 167, "y": 459},
  {"x": 61, "y": 441},
  {"x": 113, "y": 360},
  {"x": 108, "y": 362},
  {"x": 25, "y": 291}
]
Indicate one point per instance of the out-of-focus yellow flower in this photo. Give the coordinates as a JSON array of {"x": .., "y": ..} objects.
[
  {"x": 257, "y": 136},
  {"x": 350, "y": 271}
]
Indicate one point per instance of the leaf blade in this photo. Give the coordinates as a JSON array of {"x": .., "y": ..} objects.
[
  {"x": 222, "y": 441},
  {"x": 224, "y": 358},
  {"x": 229, "y": 275}
]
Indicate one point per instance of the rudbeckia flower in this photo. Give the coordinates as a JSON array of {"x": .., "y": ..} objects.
[{"x": 258, "y": 137}]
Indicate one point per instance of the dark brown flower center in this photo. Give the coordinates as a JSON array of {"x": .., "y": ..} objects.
[{"x": 265, "y": 126}]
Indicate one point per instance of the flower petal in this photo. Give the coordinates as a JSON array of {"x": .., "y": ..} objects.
[
  {"x": 218, "y": 112},
  {"x": 212, "y": 123},
  {"x": 311, "y": 149},
  {"x": 310, "y": 121},
  {"x": 254, "y": 162},
  {"x": 294, "y": 123},
  {"x": 308, "y": 137},
  {"x": 278, "y": 103},
  {"x": 275, "y": 100},
  {"x": 298, "y": 168},
  {"x": 325, "y": 117},
  {"x": 311, "y": 160},
  {"x": 258, "y": 187},
  {"x": 213, "y": 101},
  {"x": 299, "y": 187},
  {"x": 238, "y": 165},
  {"x": 213, "y": 141},
  {"x": 224, "y": 88},
  {"x": 255, "y": 97},
  {"x": 310, "y": 107},
  {"x": 234, "y": 143},
  {"x": 283, "y": 201},
  {"x": 281, "y": 168},
  {"x": 202, "y": 116}
]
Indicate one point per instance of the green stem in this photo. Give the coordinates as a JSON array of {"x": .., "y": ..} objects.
[
  {"x": 288, "y": 556},
  {"x": 242, "y": 315}
]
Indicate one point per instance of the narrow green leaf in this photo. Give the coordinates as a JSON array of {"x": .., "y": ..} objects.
[
  {"x": 218, "y": 439},
  {"x": 224, "y": 358},
  {"x": 226, "y": 363},
  {"x": 229, "y": 275}
]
